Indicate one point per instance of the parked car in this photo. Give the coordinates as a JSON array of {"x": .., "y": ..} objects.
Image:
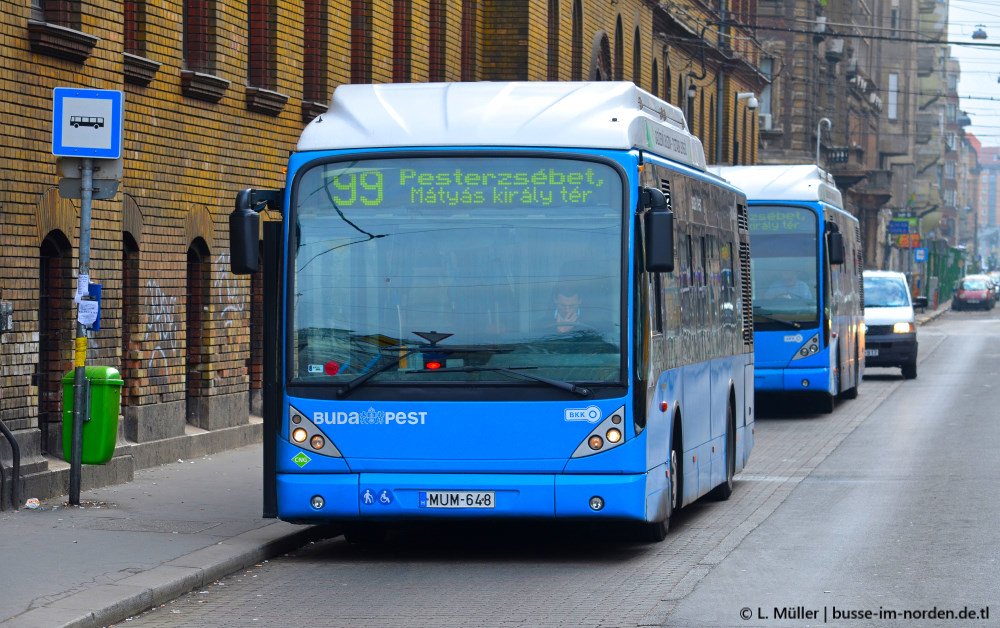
[
  {"x": 972, "y": 292},
  {"x": 890, "y": 328}
]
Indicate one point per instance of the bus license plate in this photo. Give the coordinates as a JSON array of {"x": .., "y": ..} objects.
[
  {"x": 456, "y": 499},
  {"x": 871, "y": 353}
]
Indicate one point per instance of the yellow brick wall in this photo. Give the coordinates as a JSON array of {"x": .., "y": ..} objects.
[{"x": 185, "y": 159}]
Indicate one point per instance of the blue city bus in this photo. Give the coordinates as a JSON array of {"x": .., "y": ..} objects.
[
  {"x": 492, "y": 300},
  {"x": 808, "y": 291}
]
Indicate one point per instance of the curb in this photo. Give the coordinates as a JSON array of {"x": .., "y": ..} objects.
[{"x": 110, "y": 603}]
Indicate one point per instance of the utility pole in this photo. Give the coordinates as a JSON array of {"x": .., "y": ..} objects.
[{"x": 86, "y": 126}]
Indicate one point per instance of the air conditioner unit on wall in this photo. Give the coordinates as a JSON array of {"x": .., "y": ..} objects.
[{"x": 764, "y": 119}]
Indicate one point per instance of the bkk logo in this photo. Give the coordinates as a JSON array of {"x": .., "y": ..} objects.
[{"x": 371, "y": 416}]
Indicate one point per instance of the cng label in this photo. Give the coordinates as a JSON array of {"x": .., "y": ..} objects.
[{"x": 301, "y": 459}]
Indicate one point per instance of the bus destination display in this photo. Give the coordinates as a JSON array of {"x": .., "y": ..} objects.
[{"x": 489, "y": 183}]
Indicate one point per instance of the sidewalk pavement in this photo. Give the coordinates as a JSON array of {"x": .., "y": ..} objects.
[
  {"x": 130, "y": 547},
  {"x": 927, "y": 315}
]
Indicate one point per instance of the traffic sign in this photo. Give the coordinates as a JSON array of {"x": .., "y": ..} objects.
[
  {"x": 920, "y": 255},
  {"x": 898, "y": 227},
  {"x": 87, "y": 123}
]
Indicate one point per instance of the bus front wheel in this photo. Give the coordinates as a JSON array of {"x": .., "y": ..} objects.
[
  {"x": 724, "y": 490},
  {"x": 656, "y": 531}
]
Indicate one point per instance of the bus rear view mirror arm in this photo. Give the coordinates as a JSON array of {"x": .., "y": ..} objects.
[
  {"x": 658, "y": 225},
  {"x": 835, "y": 241},
  {"x": 244, "y": 227}
]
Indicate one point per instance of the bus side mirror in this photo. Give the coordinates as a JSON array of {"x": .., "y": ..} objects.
[
  {"x": 244, "y": 234},
  {"x": 658, "y": 225},
  {"x": 835, "y": 246}
]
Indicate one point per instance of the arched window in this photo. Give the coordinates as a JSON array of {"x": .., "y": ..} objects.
[
  {"x": 636, "y": 59},
  {"x": 576, "y": 50},
  {"x": 56, "y": 331},
  {"x": 198, "y": 355},
  {"x": 619, "y": 60},
  {"x": 552, "y": 58},
  {"x": 655, "y": 87}
]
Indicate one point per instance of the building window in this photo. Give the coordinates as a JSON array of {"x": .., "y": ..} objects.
[
  {"x": 400, "y": 41},
  {"x": 892, "y": 108},
  {"x": 636, "y": 59},
  {"x": 576, "y": 50},
  {"x": 552, "y": 60},
  {"x": 314, "y": 58},
  {"x": 361, "y": 42},
  {"x": 436, "y": 41},
  {"x": 260, "y": 55},
  {"x": 134, "y": 23},
  {"x": 655, "y": 87},
  {"x": 619, "y": 70},
  {"x": 469, "y": 21},
  {"x": 197, "y": 30}
]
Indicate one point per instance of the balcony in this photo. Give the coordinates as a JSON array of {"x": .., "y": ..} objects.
[
  {"x": 846, "y": 164},
  {"x": 875, "y": 191}
]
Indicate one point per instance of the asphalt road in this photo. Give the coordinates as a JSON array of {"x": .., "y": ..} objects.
[{"x": 888, "y": 504}]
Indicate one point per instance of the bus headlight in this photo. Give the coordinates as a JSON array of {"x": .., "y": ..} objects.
[
  {"x": 302, "y": 430},
  {"x": 607, "y": 434}
]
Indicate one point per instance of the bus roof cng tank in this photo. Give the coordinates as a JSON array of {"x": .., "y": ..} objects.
[
  {"x": 597, "y": 115},
  {"x": 800, "y": 182}
]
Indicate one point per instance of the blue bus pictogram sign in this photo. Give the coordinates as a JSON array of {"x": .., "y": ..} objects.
[{"x": 87, "y": 123}]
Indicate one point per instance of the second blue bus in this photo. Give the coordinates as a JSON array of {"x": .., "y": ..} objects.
[{"x": 808, "y": 291}]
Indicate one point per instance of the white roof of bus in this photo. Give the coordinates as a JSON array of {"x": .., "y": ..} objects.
[
  {"x": 804, "y": 182},
  {"x": 604, "y": 114}
]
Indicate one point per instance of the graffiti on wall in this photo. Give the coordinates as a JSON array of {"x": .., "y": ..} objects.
[
  {"x": 230, "y": 295},
  {"x": 161, "y": 326}
]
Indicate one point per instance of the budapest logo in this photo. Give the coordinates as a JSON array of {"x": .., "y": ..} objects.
[{"x": 371, "y": 416}]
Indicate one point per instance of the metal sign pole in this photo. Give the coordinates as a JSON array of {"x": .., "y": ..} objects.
[{"x": 81, "y": 395}]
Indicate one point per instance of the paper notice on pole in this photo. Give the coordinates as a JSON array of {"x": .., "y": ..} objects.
[
  {"x": 88, "y": 312},
  {"x": 82, "y": 288}
]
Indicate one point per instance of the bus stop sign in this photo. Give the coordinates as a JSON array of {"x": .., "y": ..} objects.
[{"x": 87, "y": 123}]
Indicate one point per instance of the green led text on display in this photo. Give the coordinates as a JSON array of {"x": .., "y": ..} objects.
[{"x": 456, "y": 187}]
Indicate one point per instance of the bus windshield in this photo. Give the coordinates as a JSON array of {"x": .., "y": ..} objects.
[
  {"x": 461, "y": 268},
  {"x": 784, "y": 267}
]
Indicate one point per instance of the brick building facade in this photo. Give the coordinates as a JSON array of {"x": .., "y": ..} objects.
[{"x": 216, "y": 93}]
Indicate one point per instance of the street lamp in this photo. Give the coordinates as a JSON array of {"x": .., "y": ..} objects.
[{"x": 819, "y": 134}]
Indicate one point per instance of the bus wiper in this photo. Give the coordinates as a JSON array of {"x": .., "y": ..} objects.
[
  {"x": 514, "y": 370},
  {"x": 433, "y": 338},
  {"x": 759, "y": 313},
  {"x": 343, "y": 391}
]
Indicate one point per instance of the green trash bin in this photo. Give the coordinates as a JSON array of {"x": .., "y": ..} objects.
[{"x": 100, "y": 433}]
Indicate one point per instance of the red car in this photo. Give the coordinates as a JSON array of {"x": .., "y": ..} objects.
[{"x": 972, "y": 292}]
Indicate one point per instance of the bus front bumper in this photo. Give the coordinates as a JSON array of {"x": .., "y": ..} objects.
[
  {"x": 389, "y": 496},
  {"x": 791, "y": 380}
]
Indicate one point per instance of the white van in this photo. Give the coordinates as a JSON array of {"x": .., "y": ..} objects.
[{"x": 890, "y": 329}]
